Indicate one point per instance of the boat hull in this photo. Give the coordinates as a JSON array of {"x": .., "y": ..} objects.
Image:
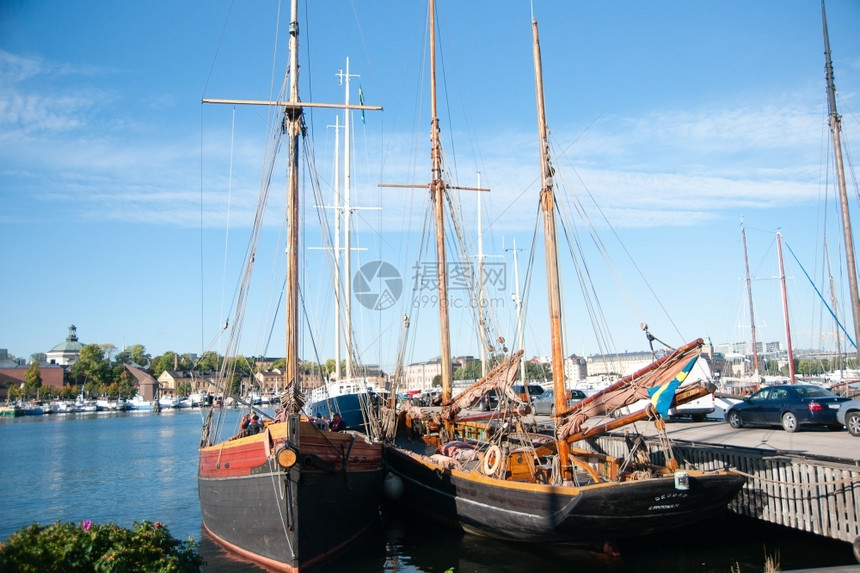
[
  {"x": 588, "y": 515},
  {"x": 348, "y": 405},
  {"x": 295, "y": 517}
]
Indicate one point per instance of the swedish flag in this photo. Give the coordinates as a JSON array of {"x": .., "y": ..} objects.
[
  {"x": 361, "y": 102},
  {"x": 662, "y": 396}
]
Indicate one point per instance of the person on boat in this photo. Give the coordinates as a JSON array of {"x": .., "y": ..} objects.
[
  {"x": 254, "y": 427},
  {"x": 246, "y": 421},
  {"x": 337, "y": 423}
]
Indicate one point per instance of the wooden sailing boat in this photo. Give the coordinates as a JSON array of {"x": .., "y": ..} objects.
[
  {"x": 293, "y": 494},
  {"x": 500, "y": 480}
]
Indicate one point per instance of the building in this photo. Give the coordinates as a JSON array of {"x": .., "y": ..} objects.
[
  {"x": 66, "y": 353},
  {"x": 575, "y": 368},
  {"x": 617, "y": 365},
  {"x": 170, "y": 380},
  {"x": 147, "y": 386}
]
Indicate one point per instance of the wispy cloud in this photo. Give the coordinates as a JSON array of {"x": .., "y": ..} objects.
[{"x": 663, "y": 168}]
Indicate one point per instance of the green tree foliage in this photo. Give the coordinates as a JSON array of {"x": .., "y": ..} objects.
[
  {"x": 235, "y": 383},
  {"x": 33, "y": 378},
  {"x": 91, "y": 368},
  {"x": 210, "y": 361},
  {"x": 471, "y": 371},
  {"x": 134, "y": 354},
  {"x": 538, "y": 371},
  {"x": 92, "y": 547},
  {"x": 171, "y": 361},
  {"x": 109, "y": 350},
  {"x": 310, "y": 367},
  {"x": 67, "y": 392}
]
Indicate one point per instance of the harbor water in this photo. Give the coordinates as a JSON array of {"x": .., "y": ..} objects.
[{"x": 133, "y": 466}]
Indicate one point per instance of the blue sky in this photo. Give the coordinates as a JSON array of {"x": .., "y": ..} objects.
[{"x": 680, "y": 118}]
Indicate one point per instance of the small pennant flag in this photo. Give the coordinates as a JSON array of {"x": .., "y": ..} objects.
[
  {"x": 662, "y": 396},
  {"x": 361, "y": 102}
]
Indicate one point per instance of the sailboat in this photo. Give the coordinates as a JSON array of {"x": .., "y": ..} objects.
[
  {"x": 293, "y": 494},
  {"x": 353, "y": 393},
  {"x": 502, "y": 481}
]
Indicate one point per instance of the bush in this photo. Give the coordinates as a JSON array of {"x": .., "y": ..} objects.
[{"x": 88, "y": 547}]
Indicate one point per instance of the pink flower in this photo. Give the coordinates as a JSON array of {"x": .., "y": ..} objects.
[{"x": 86, "y": 525}]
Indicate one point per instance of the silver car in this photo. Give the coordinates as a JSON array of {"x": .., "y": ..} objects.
[
  {"x": 849, "y": 416},
  {"x": 545, "y": 403}
]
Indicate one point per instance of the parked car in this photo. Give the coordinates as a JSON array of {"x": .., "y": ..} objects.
[
  {"x": 528, "y": 393},
  {"x": 790, "y": 406},
  {"x": 545, "y": 403},
  {"x": 848, "y": 415},
  {"x": 489, "y": 401},
  {"x": 698, "y": 410}
]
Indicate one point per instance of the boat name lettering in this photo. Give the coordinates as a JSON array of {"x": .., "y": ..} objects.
[
  {"x": 664, "y": 506},
  {"x": 674, "y": 495}
]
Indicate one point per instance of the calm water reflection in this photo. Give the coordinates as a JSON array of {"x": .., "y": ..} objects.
[{"x": 126, "y": 467}]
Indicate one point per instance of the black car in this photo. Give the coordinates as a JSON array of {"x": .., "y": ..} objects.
[
  {"x": 490, "y": 400},
  {"x": 789, "y": 406},
  {"x": 528, "y": 393}
]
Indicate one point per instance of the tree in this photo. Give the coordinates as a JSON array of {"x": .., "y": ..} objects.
[
  {"x": 33, "y": 378},
  {"x": 91, "y": 368},
  {"x": 234, "y": 384},
  {"x": 109, "y": 350},
  {"x": 210, "y": 361},
  {"x": 134, "y": 354},
  {"x": 471, "y": 371}
]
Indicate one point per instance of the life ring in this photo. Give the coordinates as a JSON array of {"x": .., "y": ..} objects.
[{"x": 492, "y": 460}]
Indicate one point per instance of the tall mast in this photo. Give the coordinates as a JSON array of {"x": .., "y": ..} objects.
[
  {"x": 835, "y": 121},
  {"x": 347, "y": 239},
  {"x": 785, "y": 309},
  {"x": 437, "y": 194},
  {"x": 547, "y": 201},
  {"x": 292, "y": 126},
  {"x": 482, "y": 326},
  {"x": 336, "y": 252},
  {"x": 749, "y": 296}
]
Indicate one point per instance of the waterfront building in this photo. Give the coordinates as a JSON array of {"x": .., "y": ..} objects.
[
  {"x": 65, "y": 353},
  {"x": 616, "y": 365}
]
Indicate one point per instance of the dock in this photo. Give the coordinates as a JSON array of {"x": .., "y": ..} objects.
[{"x": 808, "y": 481}]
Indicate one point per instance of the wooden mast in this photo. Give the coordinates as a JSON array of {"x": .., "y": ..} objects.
[
  {"x": 437, "y": 195},
  {"x": 547, "y": 202},
  {"x": 749, "y": 296},
  {"x": 292, "y": 127},
  {"x": 835, "y": 121},
  {"x": 785, "y": 308}
]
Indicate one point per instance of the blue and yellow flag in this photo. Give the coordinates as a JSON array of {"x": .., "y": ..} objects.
[
  {"x": 361, "y": 102},
  {"x": 662, "y": 396}
]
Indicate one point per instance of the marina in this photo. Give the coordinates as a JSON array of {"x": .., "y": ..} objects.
[
  {"x": 131, "y": 466},
  {"x": 661, "y": 465}
]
